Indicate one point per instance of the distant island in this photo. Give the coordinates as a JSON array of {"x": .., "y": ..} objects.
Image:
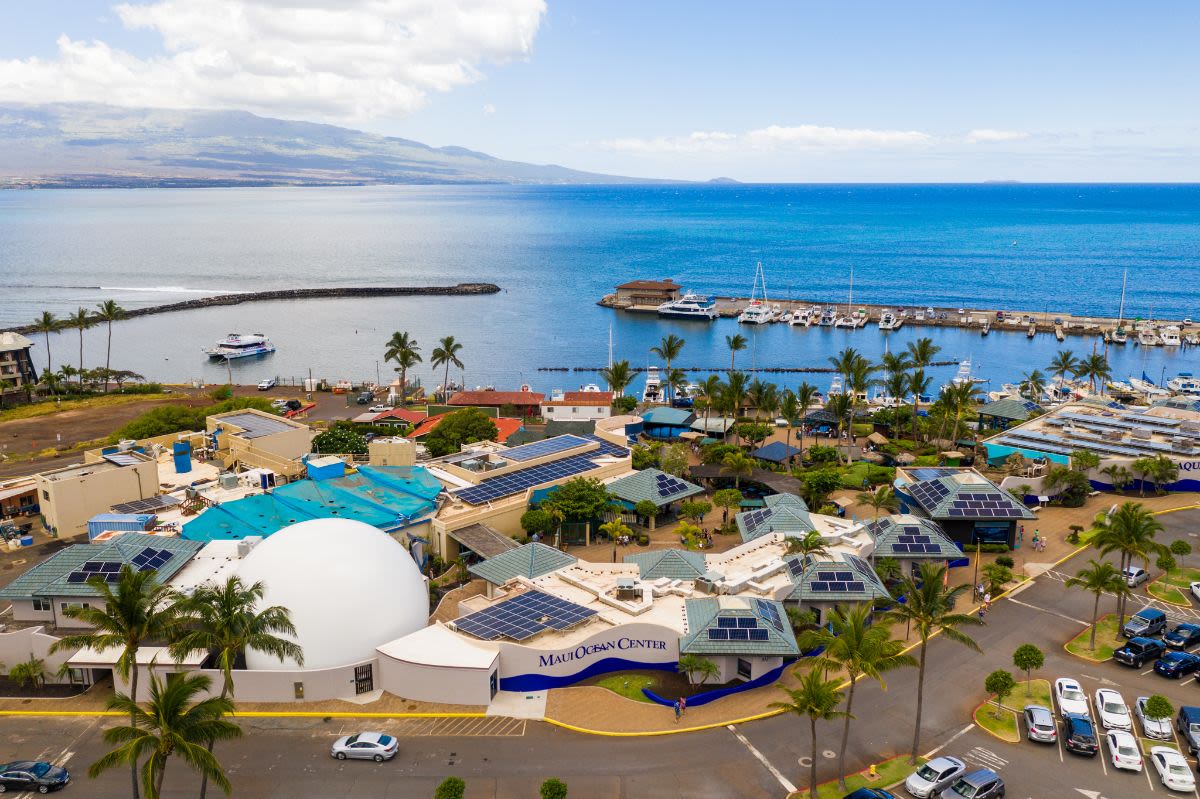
[{"x": 82, "y": 145}]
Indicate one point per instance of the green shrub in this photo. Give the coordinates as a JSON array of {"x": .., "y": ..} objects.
[
  {"x": 221, "y": 393},
  {"x": 994, "y": 549},
  {"x": 450, "y": 788},
  {"x": 1005, "y": 561},
  {"x": 457, "y": 428},
  {"x": 553, "y": 788},
  {"x": 340, "y": 439}
]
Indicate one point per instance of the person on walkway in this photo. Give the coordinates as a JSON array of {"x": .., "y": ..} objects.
[
  {"x": 678, "y": 711},
  {"x": 982, "y": 614},
  {"x": 682, "y": 705}
]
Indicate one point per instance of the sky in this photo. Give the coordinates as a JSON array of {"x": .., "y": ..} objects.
[{"x": 755, "y": 91}]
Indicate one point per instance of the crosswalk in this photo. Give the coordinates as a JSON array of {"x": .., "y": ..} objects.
[
  {"x": 986, "y": 758},
  {"x": 1139, "y": 601}
]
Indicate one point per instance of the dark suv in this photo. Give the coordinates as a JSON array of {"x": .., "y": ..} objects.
[
  {"x": 1145, "y": 623},
  {"x": 1079, "y": 736},
  {"x": 1188, "y": 724},
  {"x": 1137, "y": 652},
  {"x": 981, "y": 784}
]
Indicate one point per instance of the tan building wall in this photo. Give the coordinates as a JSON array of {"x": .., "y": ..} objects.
[
  {"x": 280, "y": 452},
  {"x": 71, "y": 496},
  {"x": 392, "y": 452}
]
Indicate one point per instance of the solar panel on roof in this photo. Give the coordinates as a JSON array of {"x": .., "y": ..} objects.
[
  {"x": 148, "y": 505},
  {"x": 718, "y": 635},
  {"x": 255, "y": 426},
  {"x": 726, "y": 621},
  {"x": 759, "y": 635},
  {"x": 819, "y": 587},
  {"x": 826, "y": 576},
  {"x": 111, "y": 577},
  {"x": 123, "y": 459},
  {"x": 516, "y": 482},
  {"x": 739, "y": 635},
  {"x": 796, "y": 567},
  {"x": 91, "y": 566},
  {"x": 109, "y": 568},
  {"x": 746, "y": 622},
  {"x": 78, "y": 577},
  {"x": 523, "y": 616},
  {"x": 770, "y": 612},
  {"x": 539, "y": 449}
]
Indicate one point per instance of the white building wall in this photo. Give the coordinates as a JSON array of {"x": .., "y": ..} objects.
[
  {"x": 268, "y": 685},
  {"x": 20, "y": 645},
  {"x": 641, "y": 643},
  {"x": 576, "y": 413},
  {"x": 23, "y": 611},
  {"x": 424, "y": 683}
]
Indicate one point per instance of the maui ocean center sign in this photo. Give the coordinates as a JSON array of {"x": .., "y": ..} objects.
[{"x": 625, "y": 646}]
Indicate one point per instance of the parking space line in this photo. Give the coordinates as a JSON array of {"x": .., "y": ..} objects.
[
  {"x": 1147, "y": 671},
  {"x": 761, "y": 758},
  {"x": 1093, "y": 711}
]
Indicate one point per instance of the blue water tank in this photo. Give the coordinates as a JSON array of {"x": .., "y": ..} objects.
[{"x": 182, "y": 452}]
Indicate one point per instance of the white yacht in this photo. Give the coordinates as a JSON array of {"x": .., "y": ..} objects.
[
  {"x": 1147, "y": 388},
  {"x": 1184, "y": 383},
  {"x": 1170, "y": 336},
  {"x": 1191, "y": 338},
  {"x": 1148, "y": 338},
  {"x": 889, "y": 320},
  {"x": 1120, "y": 335},
  {"x": 804, "y": 316},
  {"x": 964, "y": 376},
  {"x": 237, "y": 345},
  {"x": 653, "y": 390},
  {"x": 758, "y": 312},
  {"x": 690, "y": 306},
  {"x": 828, "y": 317},
  {"x": 853, "y": 321},
  {"x": 835, "y": 386}
]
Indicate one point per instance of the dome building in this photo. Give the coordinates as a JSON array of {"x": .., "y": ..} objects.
[{"x": 348, "y": 586}]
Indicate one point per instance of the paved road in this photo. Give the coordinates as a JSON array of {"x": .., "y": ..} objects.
[{"x": 287, "y": 758}]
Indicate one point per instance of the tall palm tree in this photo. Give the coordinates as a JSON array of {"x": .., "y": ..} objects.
[
  {"x": 81, "y": 320},
  {"x": 736, "y": 344},
  {"x": 404, "y": 351},
  {"x": 1129, "y": 532},
  {"x": 862, "y": 649},
  {"x": 109, "y": 312},
  {"x": 1118, "y": 475},
  {"x": 811, "y": 544},
  {"x": 668, "y": 349},
  {"x": 225, "y": 621},
  {"x": 844, "y": 361},
  {"x": 893, "y": 363},
  {"x": 841, "y": 406},
  {"x": 921, "y": 352},
  {"x": 1100, "y": 577},
  {"x": 618, "y": 377},
  {"x": 1032, "y": 385},
  {"x": 918, "y": 384},
  {"x": 1064, "y": 363},
  {"x": 446, "y": 354},
  {"x": 958, "y": 399},
  {"x": 140, "y": 609},
  {"x": 789, "y": 409},
  {"x": 738, "y": 464},
  {"x": 929, "y": 608},
  {"x": 46, "y": 324},
  {"x": 675, "y": 380},
  {"x": 858, "y": 381},
  {"x": 806, "y": 394},
  {"x": 172, "y": 723},
  {"x": 818, "y": 699},
  {"x": 735, "y": 396},
  {"x": 1163, "y": 471},
  {"x": 711, "y": 387},
  {"x": 1096, "y": 369},
  {"x": 882, "y": 498}
]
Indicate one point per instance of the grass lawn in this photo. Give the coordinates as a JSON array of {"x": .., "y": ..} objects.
[
  {"x": 1039, "y": 694},
  {"x": 46, "y": 408},
  {"x": 888, "y": 773},
  {"x": 629, "y": 685},
  {"x": 1149, "y": 742},
  {"x": 1004, "y": 727},
  {"x": 1106, "y": 640},
  {"x": 1161, "y": 589},
  {"x": 1182, "y": 578}
]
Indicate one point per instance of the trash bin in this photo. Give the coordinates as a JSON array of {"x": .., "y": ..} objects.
[{"x": 26, "y": 540}]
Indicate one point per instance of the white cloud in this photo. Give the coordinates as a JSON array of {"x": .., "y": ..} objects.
[
  {"x": 488, "y": 109},
  {"x": 773, "y": 137},
  {"x": 352, "y": 60},
  {"x": 987, "y": 135}
]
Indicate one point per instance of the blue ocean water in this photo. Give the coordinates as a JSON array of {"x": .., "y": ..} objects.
[{"x": 556, "y": 250}]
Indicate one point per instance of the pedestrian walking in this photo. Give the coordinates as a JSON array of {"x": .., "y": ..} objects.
[
  {"x": 682, "y": 705},
  {"x": 987, "y": 599},
  {"x": 982, "y": 614},
  {"x": 678, "y": 711}
]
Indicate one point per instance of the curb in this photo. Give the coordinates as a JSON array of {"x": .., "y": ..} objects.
[
  {"x": 1168, "y": 601},
  {"x": 654, "y": 733},
  {"x": 260, "y": 714},
  {"x": 1085, "y": 632},
  {"x": 996, "y": 735}
]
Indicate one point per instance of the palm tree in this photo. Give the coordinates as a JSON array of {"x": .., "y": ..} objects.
[
  {"x": 1100, "y": 577},
  {"x": 109, "y": 312},
  {"x": 225, "y": 621},
  {"x": 858, "y": 381},
  {"x": 1033, "y": 384},
  {"x": 930, "y": 608},
  {"x": 406, "y": 354},
  {"x": 675, "y": 379},
  {"x": 921, "y": 352},
  {"x": 1163, "y": 471},
  {"x": 1142, "y": 467},
  {"x": 668, "y": 349},
  {"x": 739, "y": 464},
  {"x": 618, "y": 376},
  {"x": 81, "y": 320},
  {"x": 754, "y": 394},
  {"x": 1130, "y": 532},
  {"x": 141, "y": 609},
  {"x": 1118, "y": 475},
  {"x": 894, "y": 363},
  {"x": 735, "y": 396},
  {"x": 446, "y": 354},
  {"x": 844, "y": 361},
  {"x": 811, "y": 544},
  {"x": 1096, "y": 369},
  {"x": 806, "y": 393},
  {"x": 736, "y": 344},
  {"x": 789, "y": 409},
  {"x": 818, "y": 699},
  {"x": 46, "y": 324},
  {"x": 1063, "y": 364},
  {"x": 840, "y": 406},
  {"x": 918, "y": 384},
  {"x": 882, "y": 498},
  {"x": 172, "y": 723},
  {"x": 862, "y": 649},
  {"x": 958, "y": 399}
]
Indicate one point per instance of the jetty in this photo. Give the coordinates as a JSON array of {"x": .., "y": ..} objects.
[
  {"x": 985, "y": 321},
  {"x": 241, "y": 298}
]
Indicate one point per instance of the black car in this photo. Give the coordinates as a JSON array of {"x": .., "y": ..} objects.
[
  {"x": 1137, "y": 652},
  {"x": 1079, "y": 736},
  {"x": 1185, "y": 636},
  {"x": 31, "y": 775},
  {"x": 1176, "y": 664}
]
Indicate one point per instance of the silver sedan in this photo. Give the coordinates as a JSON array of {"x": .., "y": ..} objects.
[{"x": 365, "y": 746}]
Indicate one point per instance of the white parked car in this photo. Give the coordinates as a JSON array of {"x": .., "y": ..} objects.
[
  {"x": 379, "y": 408},
  {"x": 1123, "y": 750},
  {"x": 1070, "y": 697},
  {"x": 931, "y": 778},
  {"x": 1173, "y": 770},
  {"x": 267, "y": 385},
  {"x": 1196, "y": 591},
  {"x": 1112, "y": 710},
  {"x": 365, "y": 746},
  {"x": 1152, "y": 727}
]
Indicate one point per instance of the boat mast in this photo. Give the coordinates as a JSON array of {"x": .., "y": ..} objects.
[
  {"x": 763, "y": 276},
  {"x": 1121, "y": 311},
  {"x": 850, "y": 302},
  {"x": 610, "y": 345}
]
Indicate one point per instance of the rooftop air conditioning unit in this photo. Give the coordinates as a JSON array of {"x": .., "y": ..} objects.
[
  {"x": 627, "y": 590},
  {"x": 499, "y": 463},
  {"x": 229, "y": 480},
  {"x": 248, "y": 543},
  {"x": 1142, "y": 433}
]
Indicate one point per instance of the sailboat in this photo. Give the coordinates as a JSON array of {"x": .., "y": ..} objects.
[
  {"x": 758, "y": 312},
  {"x": 851, "y": 320},
  {"x": 1120, "y": 335}
]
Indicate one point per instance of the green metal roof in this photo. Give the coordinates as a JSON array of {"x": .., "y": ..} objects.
[
  {"x": 860, "y": 572},
  {"x": 935, "y": 545},
  {"x": 713, "y": 424},
  {"x": 784, "y": 513},
  {"x": 677, "y": 564},
  {"x": 49, "y": 578},
  {"x": 703, "y": 615},
  {"x": 1010, "y": 408},
  {"x": 530, "y": 560},
  {"x": 645, "y": 485},
  {"x": 555, "y": 427},
  {"x": 674, "y": 417},
  {"x": 952, "y": 505}
]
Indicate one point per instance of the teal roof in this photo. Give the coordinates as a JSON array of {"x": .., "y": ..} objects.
[
  {"x": 49, "y": 578},
  {"x": 911, "y": 538},
  {"x": 849, "y": 580},
  {"x": 1017, "y": 410},
  {"x": 652, "y": 484},
  {"x": 677, "y": 564},
  {"x": 675, "y": 417},
  {"x": 731, "y": 615},
  {"x": 530, "y": 560},
  {"x": 784, "y": 513},
  {"x": 946, "y": 499}
]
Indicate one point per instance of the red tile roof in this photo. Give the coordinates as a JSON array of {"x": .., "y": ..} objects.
[
  {"x": 600, "y": 399},
  {"x": 505, "y": 427},
  {"x": 497, "y": 398}
]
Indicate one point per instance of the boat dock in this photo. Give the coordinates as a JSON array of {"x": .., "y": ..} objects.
[{"x": 984, "y": 321}]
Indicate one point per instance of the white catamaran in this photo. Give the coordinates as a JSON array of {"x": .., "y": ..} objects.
[{"x": 236, "y": 345}]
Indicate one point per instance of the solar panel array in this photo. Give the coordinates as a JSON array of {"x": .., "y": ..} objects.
[
  {"x": 830, "y": 581},
  {"x": 985, "y": 504},
  {"x": 607, "y": 447},
  {"x": 738, "y": 634},
  {"x": 122, "y": 459},
  {"x": 255, "y": 426},
  {"x": 770, "y": 612},
  {"x": 539, "y": 449},
  {"x": 109, "y": 572},
  {"x": 151, "y": 558},
  {"x": 931, "y": 473},
  {"x": 506, "y": 485},
  {"x": 148, "y": 505},
  {"x": 754, "y": 519},
  {"x": 669, "y": 486},
  {"x": 796, "y": 567},
  {"x": 929, "y": 493},
  {"x": 913, "y": 541},
  {"x": 523, "y": 617}
]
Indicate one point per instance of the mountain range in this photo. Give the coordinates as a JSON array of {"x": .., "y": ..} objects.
[{"x": 80, "y": 145}]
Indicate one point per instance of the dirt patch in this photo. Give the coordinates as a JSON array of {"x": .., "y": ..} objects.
[{"x": 10, "y": 690}]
